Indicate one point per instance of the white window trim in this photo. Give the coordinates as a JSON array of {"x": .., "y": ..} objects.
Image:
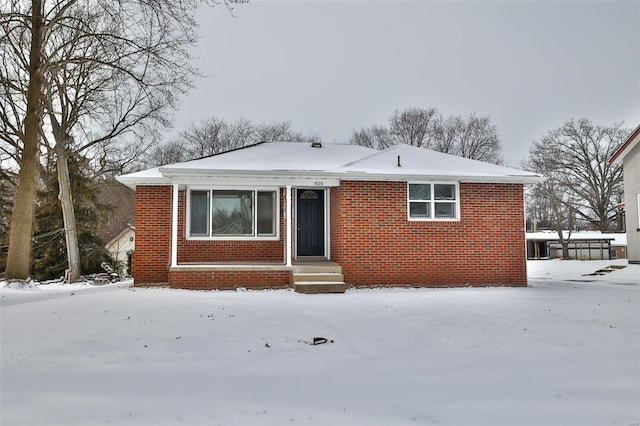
[
  {"x": 456, "y": 201},
  {"x": 254, "y": 189}
]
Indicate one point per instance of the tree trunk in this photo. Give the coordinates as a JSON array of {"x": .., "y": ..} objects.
[
  {"x": 68, "y": 215},
  {"x": 22, "y": 217}
]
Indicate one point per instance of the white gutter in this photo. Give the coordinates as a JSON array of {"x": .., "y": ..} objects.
[{"x": 333, "y": 178}]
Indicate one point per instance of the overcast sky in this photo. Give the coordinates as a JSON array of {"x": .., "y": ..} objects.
[{"x": 330, "y": 67}]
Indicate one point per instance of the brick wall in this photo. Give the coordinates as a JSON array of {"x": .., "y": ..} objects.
[
  {"x": 152, "y": 257},
  {"x": 371, "y": 238},
  {"x": 376, "y": 245},
  {"x": 228, "y": 280},
  {"x": 152, "y": 218}
]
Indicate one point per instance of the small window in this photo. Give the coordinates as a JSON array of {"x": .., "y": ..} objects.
[
  {"x": 199, "y": 213},
  {"x": 266, "y": 213},
  {"x": 433, "y": 201},
  {"x": 232, "y": 213}
]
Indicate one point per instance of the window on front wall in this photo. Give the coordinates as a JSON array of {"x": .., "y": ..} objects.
[
  {"x": 433, "y": 201},
  {"x": 232, "y": 213}
]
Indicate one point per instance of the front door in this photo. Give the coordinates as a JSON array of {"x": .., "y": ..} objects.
[{"x": 310, "y": 207}]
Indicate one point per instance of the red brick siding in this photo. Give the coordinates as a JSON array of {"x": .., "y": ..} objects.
[
  {"x": 152, "y": 217},
  {"x": 371, "y": 238},
  {"x": 229, "y": 251},
  {"x": 376, "y": 245},
  {"x": 227, "y": 280}
]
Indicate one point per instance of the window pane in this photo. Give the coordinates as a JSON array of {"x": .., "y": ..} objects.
[
  {"x": 444, "y": 192},
  {"x": 445, "y": 210},
  {"x": 232, "y": 213},
  {"x": 199, "y": 220},
  {"x": 419, "y": 209},
  {"x": 266, "y": 213},
  {"x": 419, "y": 191}
]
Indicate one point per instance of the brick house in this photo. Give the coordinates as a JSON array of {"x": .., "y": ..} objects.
[{"x": 320, "y": 217}]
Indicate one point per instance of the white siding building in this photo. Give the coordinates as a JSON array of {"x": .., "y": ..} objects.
[{"x": 629, "y": 156}]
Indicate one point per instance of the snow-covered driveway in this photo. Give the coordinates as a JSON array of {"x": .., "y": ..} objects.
[{"x": 565, "y": 351}]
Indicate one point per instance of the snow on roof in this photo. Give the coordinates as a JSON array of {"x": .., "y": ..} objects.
[
  {"x": 340, "y": 161},
  {"x": 275, "y": 157},
  {"x": 144, "y": 177},
  {"x": 406, "y": 160},
  {"x": 618, "y": 239}
]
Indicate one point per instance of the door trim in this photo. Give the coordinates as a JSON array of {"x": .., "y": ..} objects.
[{"x": 327, "y": 212}]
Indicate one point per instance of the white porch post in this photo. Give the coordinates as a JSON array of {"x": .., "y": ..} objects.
[
  {"x": 174, "y": 227},
  {"x": 289, "y": 222}
]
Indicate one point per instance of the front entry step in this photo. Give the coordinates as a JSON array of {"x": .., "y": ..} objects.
[
  {"x": 318, "y": 278},
  {"x": 317, "y": 287}
]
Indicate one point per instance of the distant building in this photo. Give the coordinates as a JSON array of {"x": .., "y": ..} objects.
[
  {"x": 120, "y": 248},
  {"x": 629, "y": 156},
  {"x": 584, "y": 245}
]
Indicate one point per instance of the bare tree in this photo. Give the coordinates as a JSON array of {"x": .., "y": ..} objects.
[
  {"x": 13, "y": 76},
  {"x": 574, "y": 158},
  {"x": 167, "y": 153},
  {"x": 445, "y": 134},
  {"x": 102, "y": 71},
  {"x": 214, "y": 135},
  {"x": 470, "y": 137},
  {"x": 554, "y": 191},
  {"x": 412, "y": 126},
  {"x": 377, "y": 137},
  {"x": 274, "y": 132}
]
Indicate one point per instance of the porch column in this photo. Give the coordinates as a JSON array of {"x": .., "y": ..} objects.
[
  {"x": 289, "y": 219},
  {"x": 174, "y": 227}
]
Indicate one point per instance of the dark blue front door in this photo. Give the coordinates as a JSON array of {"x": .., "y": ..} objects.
[{"x": 310, "y": 239}]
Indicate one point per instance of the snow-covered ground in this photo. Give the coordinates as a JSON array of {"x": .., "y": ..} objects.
[{"x": 564, "y": 351}]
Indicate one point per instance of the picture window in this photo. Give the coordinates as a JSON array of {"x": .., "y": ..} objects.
[{"x": 232, "y": 213}]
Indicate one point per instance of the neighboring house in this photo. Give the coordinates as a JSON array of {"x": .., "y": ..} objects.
[
  {"x": 318, "y": 216},
  {"x": 629, "y": 156},
  {"x": 120, "y": 248},
  {"x": 583, "y": 245}
]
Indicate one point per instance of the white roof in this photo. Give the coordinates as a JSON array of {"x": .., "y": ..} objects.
[
  {"x": 410, "y": 161},
  {"x": 619, "y": 239},
  {"x": 144, "y": 177},
  {"x": 287, "y": 160},
  {"x": 274, "y": 157}
]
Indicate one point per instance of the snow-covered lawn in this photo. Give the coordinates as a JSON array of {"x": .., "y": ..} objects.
[{"x": 564, "y": 351}]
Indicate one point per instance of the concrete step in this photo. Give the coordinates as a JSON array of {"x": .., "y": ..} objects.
[
  {"x": 331, "y": 268},
  {"x": 318, "y": 287},
  {"x": 317, "y": 276}
]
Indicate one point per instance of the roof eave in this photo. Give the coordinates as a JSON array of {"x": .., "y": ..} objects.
[
  {"x": 200, "y": 173},
  {"x": 171, "y": 175},
  {"x": 528, "y": 179},
  {"x": 627, "y": 146},
  {"x": 133, "y": 182}
]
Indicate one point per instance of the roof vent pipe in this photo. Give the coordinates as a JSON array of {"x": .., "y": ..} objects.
[
  {"x": 399, "y": 165},
  {"x": 316, "y": 145}
]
